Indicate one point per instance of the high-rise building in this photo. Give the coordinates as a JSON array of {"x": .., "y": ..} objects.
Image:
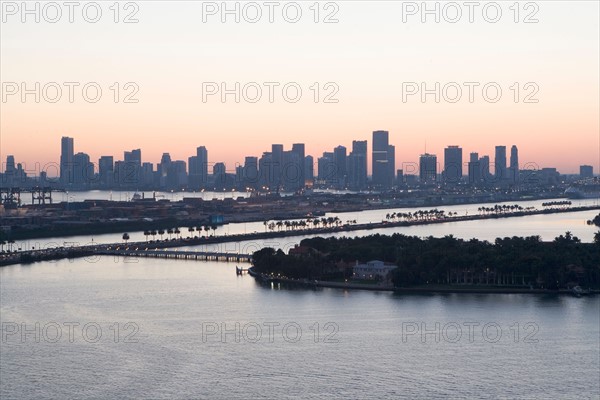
[
  {"x": 586, "y": 171},
  {"x": 276, "y": 165},
  {"x": 163, "y": 170},
  {"x": 391, "y": 166},
  {"x": 250, "y": 177},
  {"x": 381, "y": 160},
  {"x": 357, "y": 165},
  {"x": 500, "y": 164},
  {"x": 299, "y": 158},
  {"x": 339, "y": 159},
  {"x": 309, "y": 169},
  {"x": 400, "y": 177},
  {"x": 10, "y": 165},
  {"x": 326, "y": 169},
  {"x": 475, "y": 175},
  {"x": 106, "y": 171},
  {"x": 147, "y": 177},
  {"x": 198, "y": 169},
  {"x": 453, "y": 158},
  {"x": 133, "y": 168},
  {"x": 83, "y": 171},
  {"x": 428, "y": 168},
  {"x": 66, "y": 160},
  {"x": 220, "y": 175},
  {"x": 265, "y": 170},
  {"x": 514, "y": 164},
  {"x": 484, "y": 164}
]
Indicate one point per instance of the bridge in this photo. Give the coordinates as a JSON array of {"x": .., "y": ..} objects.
[{"x": 176, "y": 254}]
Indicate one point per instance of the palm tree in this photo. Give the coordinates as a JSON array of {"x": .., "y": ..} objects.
[
  {"x": 177, "y": 232},
  {"x": 191, "y": 230},
  {"x": 126, "y": 237},
  {"x": 146, "y": 233},
  {"x": 170, "y": 232},
  {"x": 161, "y": 232},
  {"x": 214, "y": 229},
  {"x": 153, "y": 233}
]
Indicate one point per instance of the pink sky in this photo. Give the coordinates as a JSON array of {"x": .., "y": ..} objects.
[{"x": 369, "y": 54}]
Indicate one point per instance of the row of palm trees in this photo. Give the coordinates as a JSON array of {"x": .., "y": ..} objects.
[
  {"x": 562, "y": 203},
  {"x": 7, "y": 243},
  {"x": 503, "y": 209},
  {"x": 175, "y": 231},
  {"x": 309, "y": 223},
  {"x": 420, "y": 215}
]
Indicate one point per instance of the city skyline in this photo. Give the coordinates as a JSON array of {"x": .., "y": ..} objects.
[
  {"x": 57, "y": 160},
  {"x": 291, "y": 170}
]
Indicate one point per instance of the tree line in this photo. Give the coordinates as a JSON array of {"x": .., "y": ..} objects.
[{"x": 511, "y": 261}]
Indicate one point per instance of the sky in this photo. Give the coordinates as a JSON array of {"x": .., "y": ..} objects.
[{"x": 362, "y": 66}]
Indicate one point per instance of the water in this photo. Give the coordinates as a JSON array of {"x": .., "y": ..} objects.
[
  {"x": 547, "y": 226},
  {"x": 366, "y": 344},
  {"x": 117, "y": 195}
]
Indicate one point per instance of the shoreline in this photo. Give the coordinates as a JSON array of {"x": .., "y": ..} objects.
[
  {"x": 435, "y": 289},
  {"x": 57, "y": 253},
  {"x": 82, "y": 230},
  {"x": 171, "y": 221}
]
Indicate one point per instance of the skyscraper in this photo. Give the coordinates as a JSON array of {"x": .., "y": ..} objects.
[
  {"x": 276, "y": 165},
  {"x": 484, "y": 164},
  {"x": 66, "y": 160},
  {"x": 105, "y": 171},
  {"x": 357, "y": 165},
  {"x": 453, "y": 164},
  {"x": 326, "y": 168},
  {"x": 250, "y": 172},
  {"x": 381, "y": 159},
  {"x": 514, "y": 164},
  {"x": 428, "y": 168},
  {"x": 391, "y": 166},
  {"x": 198, "y": 168},
  {"x": 500, "y": 164},
  {"x": 299, "y": 152},
  {"x": 309, "y": 169},
  {"x": 474, "y": 169},
  {"x": 83, "y": 171},
  {"x": 339, "y": 159},
  {"x": 586, "y": 171},
  {"x": 133, "y": 168}
]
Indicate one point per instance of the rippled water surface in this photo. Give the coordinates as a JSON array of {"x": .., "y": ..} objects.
[{"x": 182, "y": 340}]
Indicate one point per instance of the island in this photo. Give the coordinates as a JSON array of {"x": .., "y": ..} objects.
[{"x": 408, "y": 263}]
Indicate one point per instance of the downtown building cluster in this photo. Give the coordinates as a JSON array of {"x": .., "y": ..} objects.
[{"x": 290, "y": 170}]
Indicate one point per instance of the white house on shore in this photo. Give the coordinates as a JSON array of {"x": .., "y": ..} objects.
[{"x": 373, "y": 270}]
